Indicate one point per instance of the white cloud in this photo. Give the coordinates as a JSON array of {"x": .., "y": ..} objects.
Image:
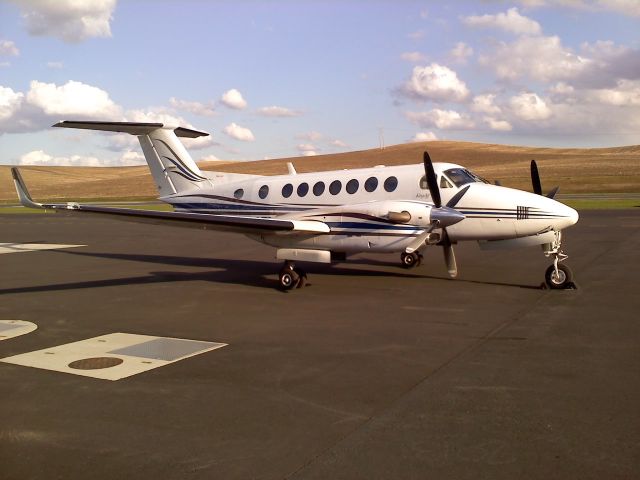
[
  {"x": 413, "y": 57},
  {"x": 309, "y": 153},
  {"x": 55, "y": 65},
  {"x": 499, "y": 125},
  {"x": 625, "y": 7},
  {"x": 8, "y": 48},
  {"x": 72, "y": 99},
  {"x": 197, "y": 108},
  {"x": 338, "y": 143},
  {"x": 10, "y": 102},
  {"x": 443, "y": 119},
  {"x": 539, "y": 58},
  {"x": 424, "y": 137},
  {"x": 417, "y": 35},
  {"x": 239, "y": 133},
  {"x": 69, "y": 20},
  {"x": 435, "y": 83},
  {"x": 511, "y": 21},
  {"x": 39, "y": 157},
  {"x": 529, "y": 106},
  {"x": 5, "y": 64},
  {"x": 275, "y": 111},
  {"x": 461, "y": 52},
  {"x": 485, "y": 104},
  {"x": 306, "y": 147},
  {"x": 209, "y": 158},
  {"x": 233, "y": 99},
  {"x": 310, "y": 136}
]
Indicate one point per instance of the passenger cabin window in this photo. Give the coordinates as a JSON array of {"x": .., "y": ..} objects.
[
  {"x": 371, "y": 184},
  {"x": 263, "y": 192},
  {"x": 335, "y": 187},
  {"x": 287, "y": 190},
  {"x": 239, "y": 193},
  {"x": 423, "y": 183},
  {"x": 352, "y": 186},
  {"x": 462, "y": 176},
  {"x": 318, "y": 189},
  {"x": 303, "y": 189},
  {"x": 390, "y": 184}
]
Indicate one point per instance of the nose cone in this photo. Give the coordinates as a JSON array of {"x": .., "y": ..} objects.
[
  {"x": 446, "y": 216},
  {"x": 570, "y": 216}
]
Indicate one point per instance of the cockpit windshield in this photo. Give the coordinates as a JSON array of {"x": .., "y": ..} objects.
[{"x": 462, "y": 176}]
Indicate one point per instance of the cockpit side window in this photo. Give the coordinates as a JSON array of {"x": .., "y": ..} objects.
[
  {"x": 462, "y": 176},
  {"x": 444, "y": 183}
]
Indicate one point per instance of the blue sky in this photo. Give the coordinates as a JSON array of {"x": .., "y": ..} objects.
[{"x": 277, "y": 79}]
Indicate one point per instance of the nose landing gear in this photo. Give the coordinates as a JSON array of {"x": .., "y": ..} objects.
[{"x": 558, "y": 276}]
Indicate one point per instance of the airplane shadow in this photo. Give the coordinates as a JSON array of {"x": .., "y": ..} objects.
[{"x": 234, "y": 271}]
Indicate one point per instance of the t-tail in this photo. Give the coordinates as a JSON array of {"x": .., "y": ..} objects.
[{"x": 172, "y": 168}]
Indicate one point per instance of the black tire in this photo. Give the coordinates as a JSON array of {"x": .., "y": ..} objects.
[
  {"x": 302, "y": 278},
  {"x": 409, "y": 260},
  {"x": 563, "y": 280},
  {"x": 288, "y": 279}
]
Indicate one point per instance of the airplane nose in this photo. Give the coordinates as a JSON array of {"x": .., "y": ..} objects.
[
  {"x": 570, "y": 216},
  {"x": 573, "y": 216}
]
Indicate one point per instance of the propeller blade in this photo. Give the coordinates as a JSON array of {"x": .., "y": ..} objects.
[
  {"x": 456, "y": 198},
  {"x": 553, "y": 192},
  {"x": 450, "y": 260},
  {"x": 432, "y": 181},
  {"x": 535, "y": 178}
]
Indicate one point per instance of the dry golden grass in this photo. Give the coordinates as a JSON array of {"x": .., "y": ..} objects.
[{"x": 576, "y": 170}]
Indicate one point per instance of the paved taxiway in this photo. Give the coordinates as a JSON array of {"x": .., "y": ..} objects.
[{"x": 370, "y": 372}]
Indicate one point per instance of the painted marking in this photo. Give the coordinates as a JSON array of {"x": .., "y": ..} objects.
[
  {"x": 32, "y": 247},
  {"x": 114, "y": 356},
  {"x": 15, "y": 328}
]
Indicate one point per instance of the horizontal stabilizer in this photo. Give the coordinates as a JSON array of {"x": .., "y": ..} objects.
[{"x": 134, "y": 128}]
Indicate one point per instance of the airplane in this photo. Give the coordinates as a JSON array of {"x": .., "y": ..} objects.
[{"x": 327, "y": 216}]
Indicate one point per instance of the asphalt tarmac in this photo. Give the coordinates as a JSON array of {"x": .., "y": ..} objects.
[{"x": 370, "y": 372}]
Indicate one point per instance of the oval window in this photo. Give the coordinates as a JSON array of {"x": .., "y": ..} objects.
[
  {"x": 335, "y": 187},
  {"x": 263, "y": 192},
  {"x": 239, "y": 193},
  {"x": 303, "y": 189},
  {"x": 390, "y": 184},
  {"x": 371, "y": 184},
  {"x": 352, "y": 186},
  {"x": 318, "y": 189},
  {"x": 287, "y": 190}
]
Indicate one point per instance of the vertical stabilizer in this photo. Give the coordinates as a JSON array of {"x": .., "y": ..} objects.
[{"x": 171, "y": 166}]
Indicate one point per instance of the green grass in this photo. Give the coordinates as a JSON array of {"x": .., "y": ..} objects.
[{"x": 614, "y": 204}]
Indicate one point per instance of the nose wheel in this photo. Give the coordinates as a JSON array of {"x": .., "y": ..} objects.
[
  {"x": 291, "y": 277},
  {"x": 558, "y": 276}
]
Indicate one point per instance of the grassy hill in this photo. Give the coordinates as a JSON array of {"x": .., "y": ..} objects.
[{"x": 610, "y": 170}]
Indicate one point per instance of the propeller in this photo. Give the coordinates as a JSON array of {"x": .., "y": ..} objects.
[
  {"x": 441, "y": 217},
  {"x": 535, "y": 182}
]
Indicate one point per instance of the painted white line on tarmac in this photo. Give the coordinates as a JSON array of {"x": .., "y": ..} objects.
[{"x": 32, "y": 247}]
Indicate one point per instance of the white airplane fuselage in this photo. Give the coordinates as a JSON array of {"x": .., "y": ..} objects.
[{"x": 356, "y": 210}]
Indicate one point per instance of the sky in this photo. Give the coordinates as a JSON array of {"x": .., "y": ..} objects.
[{"x": 273, "y": 79}]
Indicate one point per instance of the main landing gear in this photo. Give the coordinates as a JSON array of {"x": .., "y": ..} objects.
[
  {"x": 291, "y": 277},
  {"x": 558, "y": 276},
  {"x": 410, "y": 260}
]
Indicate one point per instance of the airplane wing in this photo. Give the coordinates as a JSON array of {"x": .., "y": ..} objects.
[{"x": 201, "y": 221}]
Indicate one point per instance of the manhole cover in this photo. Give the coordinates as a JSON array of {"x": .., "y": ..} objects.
[{"x": 95, "y": 363}]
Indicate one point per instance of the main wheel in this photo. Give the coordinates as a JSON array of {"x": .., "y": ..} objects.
[
  {"x": 288, "y": 279},
  {"x": 410, "y": 260},
  {"x": 559, "y": 280}
]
